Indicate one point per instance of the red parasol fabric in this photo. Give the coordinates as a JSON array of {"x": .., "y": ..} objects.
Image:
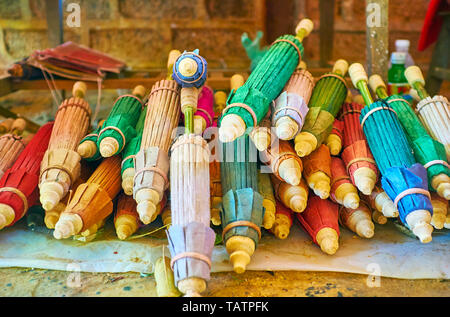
[
  {"x": 432, "y": 24},
  {"x": 19, "y": 184}
]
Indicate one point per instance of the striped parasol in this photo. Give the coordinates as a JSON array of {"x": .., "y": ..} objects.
[
  {"x": 293, "y": 197},
  {"x": 317, "y": 171},
  {"x": 403, "y": 179},
  {"x": 342, "y": 190},
  {"x": 250, "y": 103},
  {"x": 326, "y": 100}
]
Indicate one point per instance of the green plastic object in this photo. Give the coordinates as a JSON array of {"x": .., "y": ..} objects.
[
  {"x": 241, "y": 199},
  {"x": 123, "y": 116},
  {"x": 267, "y": 80},
  {"x": 253, "y": 48}
]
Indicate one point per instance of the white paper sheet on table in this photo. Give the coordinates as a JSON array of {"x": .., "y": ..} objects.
[{"x": 390, "y": 253}]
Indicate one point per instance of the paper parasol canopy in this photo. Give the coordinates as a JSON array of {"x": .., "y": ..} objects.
[
  {"x": 250, "y": 103},
  {"x": 326, "y": 100},
  {"x": 402, "y": 177},
  {"x": 152, "y": 161},
  {"x": 356, "y": 154},
  {"x": 19, "y": 184},
  {"x": 291, "y": 106},
  {"x": 92, "y": 201},
  {"x": 434, "y": 112},
  {"x": 320, "y": 221},
  {"x": 243, "y": 212},
  {"x": 428, "y": 152},
  {"x": 60, "y": 166},
  {"x": 129, "y": 155},
  {"x": 191, "y": 240},
  {"x": 119, "y": 127},
  {"x": 126, "y": 218}
]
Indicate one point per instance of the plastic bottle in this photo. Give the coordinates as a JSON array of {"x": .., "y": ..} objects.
[
  {"x": 397, "y": 83},
  {"x": 403, "y": 47}
]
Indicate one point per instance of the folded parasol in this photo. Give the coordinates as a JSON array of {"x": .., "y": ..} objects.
[
  {"x": 126, "y": 218},
  {"x": 433, "y": 112},
  {"x": 291, "y": 106},
  {"x": 250, "y": 103},
  {"x": 428, "y": 152},
  {"x": 358, "y": 220},
  {"x": 342, "y": 190},
  {"x": 87, "y": 148},
  {"x": 19, "y": 184},
  {"x": 317, "y": 171},
  {"x": 381, "y": 202},
  {"x": 283, "y": 161},
  {"x": 326, "y": 100},
  {"x": 243, "y": 211},
  {"x": 204, "y": 116},
  {"x": 92, "y": 201},
  {"x": 152, "y": 161},
  {"x": 356, "y": 155},
  {"x": 404, "y": 181},
  {"x": 119, "y": 127},
  {"x": 60, "y": 167},
  {"x": 293, "y": 197},
  {"x": 320, "y": 221},
  {"x": 129, "y": 155},
  {"x": 191, "y": 240},
  {"x": 52, "y": 216}
]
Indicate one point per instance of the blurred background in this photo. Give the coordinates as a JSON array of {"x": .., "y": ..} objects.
[{"x": 142, "y": 32}]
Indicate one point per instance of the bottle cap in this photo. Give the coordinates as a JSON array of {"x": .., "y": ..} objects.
[
  {"x": 402, "y": 45},
  {"x": 398, "y": 58}
]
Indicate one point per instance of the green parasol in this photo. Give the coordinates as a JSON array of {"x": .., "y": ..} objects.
[
  {"x": 248, "y": 105},
  {"x": 327, "y": 98},
  {"x": 129, "y": 154},
  {"x": 427, "y": 151},
  {"x": 243, "y": 212},
  {"x": 119, "y": 127}
]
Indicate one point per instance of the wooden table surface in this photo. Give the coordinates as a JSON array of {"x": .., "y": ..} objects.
[{"x": 34, "y": 282}]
